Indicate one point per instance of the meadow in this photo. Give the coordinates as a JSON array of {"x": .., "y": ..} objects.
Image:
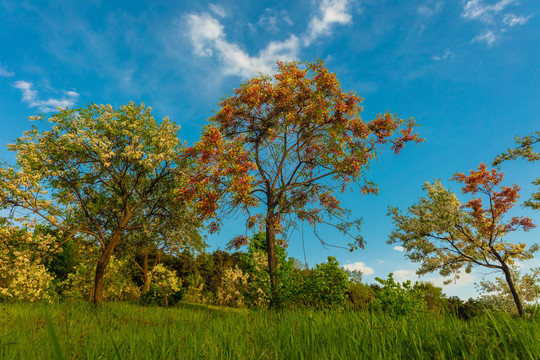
[{"x": 188, "y": 331}]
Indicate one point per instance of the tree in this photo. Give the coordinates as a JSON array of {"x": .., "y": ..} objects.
[
  {"x": 166, "y": 280},
  {"x": 283, "y": 145},
  {"x": 440, "y": 234},
  {"x": 97, "y": 171},
  {"x": 525, "y": 150}
]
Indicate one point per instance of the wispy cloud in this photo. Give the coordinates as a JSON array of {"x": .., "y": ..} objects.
[
  {"x": 218, "y": 10},
  {"x": 489, "y": 37},
  {"x": 4, "y": 72},
  {"x": 430, "y": 11},
  {"x": 271, "y": 20},
  {"x": 30, "y": 97},
  {"x": 399, "y": 248},
  {"x": 331, "y": 12},
  {"x": 477, "y": 10},
  {"x": 446, "y": 56},
  {"x": 366, "y": 270},
  {"x": 513, "y": 20},
  {"x": 209, "y": 39},
  {"x": 492, "y": 15}
]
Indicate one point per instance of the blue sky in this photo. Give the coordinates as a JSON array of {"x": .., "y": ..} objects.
[{"x": 468, "y": 71}]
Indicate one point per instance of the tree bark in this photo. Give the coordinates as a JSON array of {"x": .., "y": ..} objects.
[
  {"x": 513, "y": 290},
  {"x": 146, "y": 285},
  {"x": 102, "y": 264},
  {"x": 272, "y": 256}
]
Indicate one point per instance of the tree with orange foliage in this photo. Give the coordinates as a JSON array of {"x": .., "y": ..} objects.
[
  {"x": 442, "y": 234},
  {"x": 283, "y": 145}
]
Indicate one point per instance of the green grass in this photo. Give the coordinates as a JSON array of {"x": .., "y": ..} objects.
[{"x": 125, "y": 331}]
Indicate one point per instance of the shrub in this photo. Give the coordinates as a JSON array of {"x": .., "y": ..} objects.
[
  {"x": 166, "y": 280},
  {"x": 326, "y": 285},
  {"x": 233, "y": 287},
  {"x": 152, "y": 297},
  {"x": 398, "y": 299},
  {"x": 359, "y": 295}
]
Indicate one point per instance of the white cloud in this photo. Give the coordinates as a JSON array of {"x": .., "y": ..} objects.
[
  {"x": 331, "y": 12},
  {"x": 513, "y": 20},
  {"x": 477, "y": 10},
  {"x": 399, "y": 248},
  {"x": 209, "y": 39},
  {"x": 366, "y": 270},
  {"x": 5, "y": 72},
  {"x": 218, "y": 10},
  {"x": 489, "y": 37},
  {"x": 380, "y": 261},
  {"x": 404, "y": 275},
  {"x": 447, "y": 55},
  {"x": 427, "y": 11},
  {"x": 30, "y": 96}
]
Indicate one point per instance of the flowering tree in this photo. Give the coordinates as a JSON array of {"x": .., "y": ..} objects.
[
  {"x": 23, "y": 275},
  {"x": 442, "y": 235},
  {"x": 525, "y": 150},
  {"x": 97, "y": 171},
  {"x": 166, "y": 280},
  {"x": 283, "y": 145},
  {"x": 232, "y": 288}
]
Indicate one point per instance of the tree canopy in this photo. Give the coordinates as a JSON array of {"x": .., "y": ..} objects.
[{"x": 280, "y": 148}]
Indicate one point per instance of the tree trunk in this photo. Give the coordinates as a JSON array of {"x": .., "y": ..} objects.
[
  {"x": 102, "y": 264},
  {"x": 272, "y": 257},
  {"x": 513, "y": 290},
  {"x": 146, "y": 285}
]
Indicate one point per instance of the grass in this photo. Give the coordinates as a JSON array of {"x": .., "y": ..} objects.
[{"x": 126, "y": 331}]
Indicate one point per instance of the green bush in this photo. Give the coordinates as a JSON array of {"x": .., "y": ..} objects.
[
  {"x": 398, "y": 299},
  {"x": 326, "y": 285},
  {"x": 153, "y": 297},
  {"x": 359, "y": 295}
]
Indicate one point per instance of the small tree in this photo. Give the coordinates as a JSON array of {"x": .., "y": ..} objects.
[
  {"x": 440, "y": 234},
  {"x": 166, "y": 280},
  {"x": 284, "y": 145},
  {"x": 95, "y": 170}
]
